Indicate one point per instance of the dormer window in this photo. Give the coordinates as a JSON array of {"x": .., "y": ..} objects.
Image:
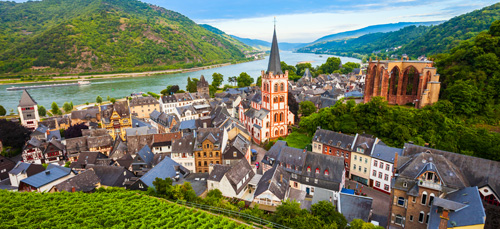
[
  {"x": 317, "y": 170},
  {"x": 326, "y": 172},
  {"x": 308, "y": 168}
]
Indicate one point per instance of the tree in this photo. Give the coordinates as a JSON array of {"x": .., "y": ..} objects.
[
  {"x": 293, "y": 106},
  {"x": 107, "y": 98},
  {"x": 55, "y": 109},
  {"x": 192, "y": 85},
  {"x": 349, "y": 67},
  {"x": 71, "y": 103},
  {"x": 306, "y": 108},
  {"x": 42, "y": 111},
  {"x": 163, "y": 187},
  {"x": 244, "y": 80},
  {"x": 259, "y": 81},
  {"x": 301, "y": 68},
  {"x": 332, "y": 64},
  {"x": 465, "y": 97},
  {"x": 327, "y": 213},
  {"x": 112, "y": 100},
  {"x": 233, "y": 80},
  {"x": 360, "y": 224},
  {"x": 211, "y": 91},
  {"x": 292, "y": 75},
  {"x": 2, "y": 111},
  {"x": 13, "y": 134},
  {"x": 217, "y": 79},
  {"x": 98, "y": 99},
  {"x": 75, "y": 131},
  {"x": 67, "y": 107}
]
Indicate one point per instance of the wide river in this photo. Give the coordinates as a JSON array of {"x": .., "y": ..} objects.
[{"x": 122, "y": 87}]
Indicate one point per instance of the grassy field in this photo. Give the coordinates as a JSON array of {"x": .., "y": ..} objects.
[{"x": 298, "y": 140}]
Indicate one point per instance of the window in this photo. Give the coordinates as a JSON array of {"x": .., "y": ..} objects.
[
  {"x": 329, "y": 151},
  {"x": 360, "y": 158},
  {"x": 401, "y": 201},
  {"x": 326, "y": 172},
  {"x": 411, "y": 218},
  {"x": 315, "y": 181},
  {"x": 379, "y": 175},
  {"x": 421, "y": 217},
  {"x": 405, "y": 185},
  {"x": 374, "y": 173},
  {"x": 354, "y": 166},
  {"x": 308, "y": 168},
  {"x": 235, "y": 154},
  {"x": 414, "y": 199},
  {"x": 430, "y": 176},
  {"x": 216, "y": 154},
  {"x": 317, "y": 170},
  {"x": 282, "y": 87},
  {"x": 204, "y": 154},
  {"x": 381, "y": 165},
  {"x": 365, "y": 170},
  {"x": 359, "y": 168},
  {"x": 342, "y": 154},
  {"x": 338, "y": 153},
  {"x": 275, "y": 87},
  {"x": 366, "y": 160},
  {"x": 399, "y": 220},
  {"x": 377, "y": 184},
  {"x": 387, "y": 166},
  {"x": 431, "y": 198},
  {"x": 424, "y": 198},
  {"x": 386, "y": 187},
  {"x": 346, "y": 155},
  {"x": 199, "y": 163},
  {"x": 325, "y": 150},
  {"x": 375, "y": 163},
  {"x": 355, "y": 157},
  {"x": 307, "y": 179},
  {"x": 386, "y": 177}
]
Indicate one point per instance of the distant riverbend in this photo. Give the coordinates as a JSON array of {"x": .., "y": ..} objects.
[{"x": 121, "y": 85}]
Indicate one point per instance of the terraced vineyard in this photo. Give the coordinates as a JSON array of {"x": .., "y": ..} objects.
[{"x": 119, "y": 208}]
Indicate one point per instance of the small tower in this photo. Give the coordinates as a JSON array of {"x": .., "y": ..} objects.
[
  {"x": 28, "y": 111},
  {"x": 203, "y": 87}
]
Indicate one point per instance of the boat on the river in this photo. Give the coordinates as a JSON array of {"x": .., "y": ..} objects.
[{"x": 79, "y": 83}]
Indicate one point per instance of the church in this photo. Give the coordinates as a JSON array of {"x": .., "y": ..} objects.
[{"x": 268, "y": 117}]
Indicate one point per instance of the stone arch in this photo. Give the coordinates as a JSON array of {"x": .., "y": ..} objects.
[
  {"x": 410, "y": 81},
  {"x": 393, "y": 81},
  {"x": 371, "y": 80},
  {"x": 380, "y": 79}
]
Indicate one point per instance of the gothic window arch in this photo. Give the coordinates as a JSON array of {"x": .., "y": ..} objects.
[
  {"x": 276, "y": 118},
  {"x": 275, "y": 99},
  {"x": 281, "y": 117},
  {"x": 282, "y": 98},
  {"x": 281, "y": 131},
  {"x": 282, "y": 87},
  {"x": 276, "y": 133},
  {"x": 275, "y": 87}
]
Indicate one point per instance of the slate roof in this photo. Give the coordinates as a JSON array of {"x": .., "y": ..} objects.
[
  {"x": 198, "y": 182},
  {"x": 202, "y": 82},
  {"x": 183, "y": 109},
  {"x": 468, "y": 209},
  {"x": 119, "y": 149},
  {"x": 237, "y": 172},
  {"x": 386, "y": 153},
  {"x": 166, "y": 168},
  {"x": 293, "y": 157},
  {"x": 218, "y": 172},
  {"x": 99, "y": 141},
  {"x": 183, "y": 145},
  {"x": 83, "y": 182},
  {"x": 139, "y": 101},
  {"x": 125, "y": 161},
  {"x": 87, "y": 114},
  {"x": 52, "y": 173},
  {"x": 476, "y": 170},
  {"x": 334, "y": 165},
  {"x": 140, "y": 131},
  {"x": 28, "y": 168},
  {"x": 274, "y": 58},
  {"x": 146, "y": 155},
  {"x": 188, "y": 125},
  {"x": 331, "y": 138},
  {"x": 214, "y": 135},
  {"x": 276, "y": 180},
  {"x": 258, "y": 114},
  {"x": 7, "y": 165},
  {"x": 274, "y": 152},
  {"x": 365, "y": 143},
  {"x": 26, "y": 100},
  {"x": 136, "y": 143},
  {"x": 239, "y": 145},
  {"x": 94, "y": 132},
  {"x": 86, "y": 158},
  {"x": 112, "y": 175},
  {"x": 355, "y": 207}
]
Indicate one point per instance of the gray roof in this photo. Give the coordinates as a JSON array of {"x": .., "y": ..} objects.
[
  {"x": 112, "y": 175},
  {"x": 146, "y": 155},
  {"x": 86, "y": 158},
  {"x": 239, "y": 145},
  {"x": 183, "y": 145},
  {"x": 258, "y": 114},
  {"x": 52, "y": 173},
  {"x": 237, "y": 172},
  {"x": 188, "y": 124},
  {"x": 364, "y": 142},
  {"x": 143, "y": 100},
  {"x": 293, "y": 157},
  {"x": 274, "y": 152},
  {"x": 323, "y": 162},
  {"x": 100, "y": 141},
  {"x": 331, "y": 138},
  {"x": 26, "y": 100},
  {"x": 355, "y": 207},
  {"x": 386, "y": 153},
  {"x": 166, "y": 168},
  {"x": 214, "y": 135},
  {"x": 87, "y": 114},
  {"x": 84, "y": 182},
  {"x": 276, "y": 180},
  {"x": 218, "y": 172},
  {"x": 274, "y": 58},
  {"x": 468, "y": 209},
  {"x": 144, "y": 130},
  {"x": 198, "y": 182},
  {"x": 28, "y": 168}
]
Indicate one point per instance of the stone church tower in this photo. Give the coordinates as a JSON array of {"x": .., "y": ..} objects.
[
  {"x": 28, "y": 111},
  {"x": 203, "y": 87},
  {"x": 275, "y": 94}
]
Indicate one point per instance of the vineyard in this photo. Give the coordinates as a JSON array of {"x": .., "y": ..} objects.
[{"x": 116, "y": 208}]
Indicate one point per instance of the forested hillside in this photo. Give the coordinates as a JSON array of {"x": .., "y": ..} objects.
[
  {"x": 75, "y": 36},
  {"x": 242, "y": 46},
  {"x": 104, "y": 209}
]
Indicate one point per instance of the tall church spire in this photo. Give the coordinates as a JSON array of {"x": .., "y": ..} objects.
[{"x": 274, "y": 59}]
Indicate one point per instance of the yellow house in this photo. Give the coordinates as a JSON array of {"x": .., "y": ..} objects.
[
  {"x": 116, "y": 118},
  {"x": 208, "y": 148},
  {"x": 361, "y": 158},
  {"x": 141, "y": 107}
]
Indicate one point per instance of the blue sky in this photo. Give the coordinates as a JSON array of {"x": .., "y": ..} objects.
[{"x": 306, "y": 21}]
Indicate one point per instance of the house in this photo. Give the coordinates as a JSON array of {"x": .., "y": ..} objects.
[
  {"x": 238, "y": 149},
  {"x": 332, "y": 143},
  {"x": 320, "y": 171},
  {"x": 143, "y": 161},
  {"x": 54, "y": 152},
  {"x": 141, "y": 107},
  {"x": 188, "y": 126},
  {"x": 23, "y": 170},
  {"x": 90, "y": 115},
  {"x": 460, "y": 209},
  {"x": 187, "y": 112},
  {"x": 86, "y": 181},
  {"x": 208, "y": 147},
  {"x": 382, "y": 168},
  {"x": 28, "y": 111},
  {"x": 112, "y": 176},
  {"x": 182, "y": 152},
  {"x": 273, "y": 187},
  {"x": 5, "y": 166},
  {"x": 231, "y": 180},
  {"x": 163, "y": 122},
  {"x": 115, "y": 118},
  {"x": 355, "y": 207},
  {"x": 167, "y": 168},
  {"x": 162, "y": 143},
  {"x": 33, "y": 151},
  {"x": 45, "y": 180},
  {"x": 169, "y": 103},
  {"x": 89, "y": 158},
  {"x": 269, "y": 116},
  {"x": 57, "y": 123},
  {"x": 361, "y": 158}
]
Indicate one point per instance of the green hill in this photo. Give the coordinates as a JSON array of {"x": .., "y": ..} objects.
[
  {"x": 75, "y": 36},
  {"x": 118, "y": 208},
  {"x": 240, "y": 45}
]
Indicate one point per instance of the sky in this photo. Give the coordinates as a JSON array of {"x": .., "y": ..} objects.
[{"x": 306, "y": 20}]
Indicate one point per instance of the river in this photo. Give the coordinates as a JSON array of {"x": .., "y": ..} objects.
[{"x": 122, "y": 87}]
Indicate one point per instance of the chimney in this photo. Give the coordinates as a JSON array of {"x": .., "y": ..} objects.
[
  {"x": 281, "y": 178},
  {"x": 73, "y": 189},
  {"x": 204, "y": 125},
  {"x": 444, "y": 219},
  {"x": 395, "y": 163}
]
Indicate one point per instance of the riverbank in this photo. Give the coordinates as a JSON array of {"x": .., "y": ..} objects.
[{"x": 70, "y": 78}]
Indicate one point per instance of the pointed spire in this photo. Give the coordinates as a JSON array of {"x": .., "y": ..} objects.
[
  {"x": 26, "y": 100},
  {"x": 274, "y": 59}
]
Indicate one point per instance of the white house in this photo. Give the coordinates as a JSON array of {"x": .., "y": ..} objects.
[
  {"x": 233, "y": 180},
  {"x": 23, "y": 170},
  {"x": 169, "y": 103},
  {"x": 45, "y": 180},
  {"x": 273, "y": 187},
  {"x": 182, "y": 152},
  {"x": 383, "y": 158}
]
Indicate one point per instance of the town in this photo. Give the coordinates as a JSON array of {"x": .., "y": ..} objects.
[{"x": 219, "y": 143}]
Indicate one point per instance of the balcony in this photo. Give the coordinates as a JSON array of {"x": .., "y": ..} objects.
[{"x": 430, "y": 184}]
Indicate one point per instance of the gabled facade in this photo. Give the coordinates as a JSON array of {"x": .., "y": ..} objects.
[
  {"x": 335, "y": 144},
  {"x": 169, "y": 103},
  {"x": 361, "y": 158},
  {"x": 23, "y": 170},
  {"x": 163, "y": 122},
  {"x": 116, "y": 118},
  {"x": 141, "y": 107},
  {"x": 273, "y": 187},
  {"x": 28, "y": 111},
  {"x": 382, "y": 167},
  {"x": 269, "y": 116},
  {"x": 208, "y": 147},
  {"x": 231, "y": 180},
  {"x": 5, "y": 166},
  {"x": 238, "y": 149},
  {"x": 182, "y": 152}
]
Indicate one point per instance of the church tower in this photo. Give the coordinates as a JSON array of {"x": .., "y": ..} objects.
[
  {"x": 275, "y": 94},
  {"x": 203, "y": 87},
  {"x": 28, "y": 111}
]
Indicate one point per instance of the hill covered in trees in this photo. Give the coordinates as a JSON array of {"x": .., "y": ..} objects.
[
  {"x": 414, "y": 41},
  {"x": 75, "y": 36}
]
